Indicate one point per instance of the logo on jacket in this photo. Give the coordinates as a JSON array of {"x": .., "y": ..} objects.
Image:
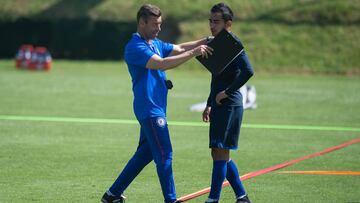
[{"x": 161, "y": 122}]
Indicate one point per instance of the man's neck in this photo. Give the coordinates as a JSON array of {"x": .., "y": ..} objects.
[{"x": 142, "y": 35}]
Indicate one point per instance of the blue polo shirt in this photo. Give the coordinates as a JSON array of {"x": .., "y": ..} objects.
[{"x": 149, "y": 88}]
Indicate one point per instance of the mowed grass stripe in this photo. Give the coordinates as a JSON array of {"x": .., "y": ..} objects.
[
  {"x": 174, "y": 123},
  {"x": 353, "y": 173}
]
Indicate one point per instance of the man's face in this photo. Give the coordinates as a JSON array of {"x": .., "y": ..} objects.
[
  {"x": 216, "y": 23},
  {"x": 152, "y": 27}
]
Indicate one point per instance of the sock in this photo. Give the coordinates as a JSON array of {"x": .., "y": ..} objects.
[
  {"x": 109, "y": 193},
  {"x": 218, "y": 177},
  {"x": 211, "y": 200},
  {"x": 232, "y": 176}
]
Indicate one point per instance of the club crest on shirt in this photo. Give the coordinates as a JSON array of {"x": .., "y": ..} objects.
[{"x": 161, "y": 122}]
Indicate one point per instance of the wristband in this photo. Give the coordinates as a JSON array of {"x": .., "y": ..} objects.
[{"x": 209, "y": 38}]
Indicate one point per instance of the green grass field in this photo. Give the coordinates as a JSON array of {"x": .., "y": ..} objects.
[{"x": 48, "y": 161}]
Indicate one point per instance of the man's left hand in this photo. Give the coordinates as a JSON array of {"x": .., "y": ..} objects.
[{"x": 220, "y": 96}]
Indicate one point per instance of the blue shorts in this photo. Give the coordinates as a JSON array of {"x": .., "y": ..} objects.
[{"x": 225, "y": 123}]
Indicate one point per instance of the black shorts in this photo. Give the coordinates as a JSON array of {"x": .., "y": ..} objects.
[{"x": 225, "y": 123}]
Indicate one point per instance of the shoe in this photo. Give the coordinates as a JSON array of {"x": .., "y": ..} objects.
[
  {"x": 106, "y": 198},
  {"x": 244, "y": 199},
  {"x": 211, "y": 201}
]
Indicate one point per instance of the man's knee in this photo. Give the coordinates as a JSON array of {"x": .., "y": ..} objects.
[
  {"x": 220, "y": 154},
  {"x": 163, "y": 158}
]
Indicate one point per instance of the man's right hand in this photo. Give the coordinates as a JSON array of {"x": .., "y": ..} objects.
[
  {"x": 203, "y": 50},
  {"x": 206, "y": 114},
  {"x": 158, "y": 63}
]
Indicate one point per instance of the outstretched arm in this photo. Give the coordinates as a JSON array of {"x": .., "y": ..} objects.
[
  {"x": 156, "y": 62},
  {"x": 183, "y": 47}
]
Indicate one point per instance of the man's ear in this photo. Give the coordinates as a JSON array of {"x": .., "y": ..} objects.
[
  {"x": 142, "y": 21},
  {"x": 228, "y": 24}
]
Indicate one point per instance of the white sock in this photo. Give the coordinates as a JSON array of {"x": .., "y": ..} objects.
[
  {"x": 211, "y": 200},
  {"x": 241, "y": 196},
  {"x": 109, "y": 193}
]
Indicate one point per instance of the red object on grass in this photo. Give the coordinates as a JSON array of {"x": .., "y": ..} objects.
[
  {"x": 23, "y": 56},
  {"x": 37, "y": 58},
  {"x": 269, "y": 169},
  {"x": 40, "y": 59}
]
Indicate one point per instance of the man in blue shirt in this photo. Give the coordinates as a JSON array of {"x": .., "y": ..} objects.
[
  {"x": 224, "y": 110},
  {"x": 147, "y": 58}
]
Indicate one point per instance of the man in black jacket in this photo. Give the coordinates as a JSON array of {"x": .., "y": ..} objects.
[{"x": 224, "y": 111}]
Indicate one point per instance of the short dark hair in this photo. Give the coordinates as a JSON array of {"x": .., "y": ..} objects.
[
  {"x": 225, "y": 11},
  {"x": 146, "y": 11}
]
